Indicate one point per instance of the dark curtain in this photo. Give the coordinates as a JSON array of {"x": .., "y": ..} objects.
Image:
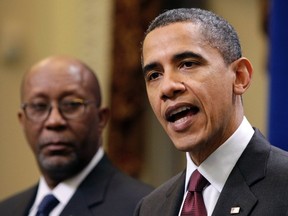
[{"x": 126, "y": 135}]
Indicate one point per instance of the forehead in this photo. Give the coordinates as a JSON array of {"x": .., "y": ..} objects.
[
  {"x": 55, "y": 79},
  {"x": 174, "y": 37},
  {"x": 51, "y": 73}
]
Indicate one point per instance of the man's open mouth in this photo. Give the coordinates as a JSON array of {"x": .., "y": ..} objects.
[{"x": 181, "y": 112}]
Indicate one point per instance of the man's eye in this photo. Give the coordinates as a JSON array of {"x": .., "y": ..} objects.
[
  {"x": 39, "y": 107},
  {"x": 71, "y": 105},
  {"x": 153, "y": 76},
  {"x": 189, "y": 64}
]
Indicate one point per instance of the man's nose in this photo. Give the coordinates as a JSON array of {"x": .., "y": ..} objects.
[
  {"x": 171, "y": 86},
  {"x": 55, "y": 118}
]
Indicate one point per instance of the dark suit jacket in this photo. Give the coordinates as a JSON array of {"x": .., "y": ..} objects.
[
  {"x": 105, "y": 192},
  {"x": 258, "y": 184}
]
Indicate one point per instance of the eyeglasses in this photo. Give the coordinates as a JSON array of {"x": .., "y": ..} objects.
[{"x": 69, "y": 109}]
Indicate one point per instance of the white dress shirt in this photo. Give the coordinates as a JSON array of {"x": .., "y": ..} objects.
[
  {"x": 218, "y": 166},
  {"x": 65, "y": 190}
]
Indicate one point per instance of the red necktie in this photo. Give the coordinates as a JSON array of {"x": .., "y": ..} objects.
[{"x": 194, "y": 203}]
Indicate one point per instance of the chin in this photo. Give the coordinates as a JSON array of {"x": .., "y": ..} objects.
[
  {"x": 181, "y": 147},
  {"x": 60, "y": 167},
  {"x": 185, "y": 145}
]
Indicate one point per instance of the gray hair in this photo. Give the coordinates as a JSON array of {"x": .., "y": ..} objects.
[{"x": 216, "y": 30}]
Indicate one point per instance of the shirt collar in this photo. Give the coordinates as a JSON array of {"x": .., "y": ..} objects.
[{"x": 218, "y": 166}]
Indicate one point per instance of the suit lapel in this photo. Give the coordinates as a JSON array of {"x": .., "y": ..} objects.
[
  {"x": 235, "y": 194},
  {"x": 91, "y": 191},
  {"x": 248, "y": 171},
  {"x": 174, "y": 197}
]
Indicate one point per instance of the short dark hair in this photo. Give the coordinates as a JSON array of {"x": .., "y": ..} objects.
[{"x": 216, "y": 30}]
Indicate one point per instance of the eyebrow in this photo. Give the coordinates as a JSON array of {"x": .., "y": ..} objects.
[
  {"x": 187, "y": 54},
  {"x": 149, "y": 67},
  {"x": 176, "y": 57}
]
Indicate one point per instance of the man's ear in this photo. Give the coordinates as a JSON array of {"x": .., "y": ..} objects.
[{"x": 243, "y": 74}]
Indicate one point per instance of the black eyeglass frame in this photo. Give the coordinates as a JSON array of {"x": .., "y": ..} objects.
[{"x": 81, "y": 102}]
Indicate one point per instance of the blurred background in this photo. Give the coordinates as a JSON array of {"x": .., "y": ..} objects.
[{"x": 106, "y": 34}]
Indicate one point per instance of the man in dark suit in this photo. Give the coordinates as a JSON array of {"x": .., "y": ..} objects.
[
  {"x": 195, "y": 77},
  {"x": 63, "y": 120}
]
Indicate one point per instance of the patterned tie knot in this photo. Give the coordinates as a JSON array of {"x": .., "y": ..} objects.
[
  {"x": 47, "y": 204},
  {"x": 194, "y": 204},
  {"x": 197, "y": 182}
]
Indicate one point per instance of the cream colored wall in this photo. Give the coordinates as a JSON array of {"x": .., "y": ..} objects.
[{"x": 31, "y": 30}]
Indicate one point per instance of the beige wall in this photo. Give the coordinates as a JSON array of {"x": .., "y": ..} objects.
[{"x": 34, "y": 29}]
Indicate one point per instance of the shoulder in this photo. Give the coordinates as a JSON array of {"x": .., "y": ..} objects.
[
  {"x": 108, "y": 186},
  {"x": 113, "y": 184},
  {"x": 126, "y": 185},
  {"x": 119, "y": 181},
  {"x": 265, "y": 164},
  {"x": 19, "y": 202},
  {"x": 278, "y": 162},
  {"x": 174, "y": 186},
  {"x": 275, "y": 156},
  {"x": 168, "y": 186},
  {"x": 262, "y": 158}
]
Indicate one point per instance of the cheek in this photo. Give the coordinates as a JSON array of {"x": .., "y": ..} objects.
[
  {"x": 218, "y": 105},
  {"x": 32, "y": 134},
  {"x": 155, "y": 104}
]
